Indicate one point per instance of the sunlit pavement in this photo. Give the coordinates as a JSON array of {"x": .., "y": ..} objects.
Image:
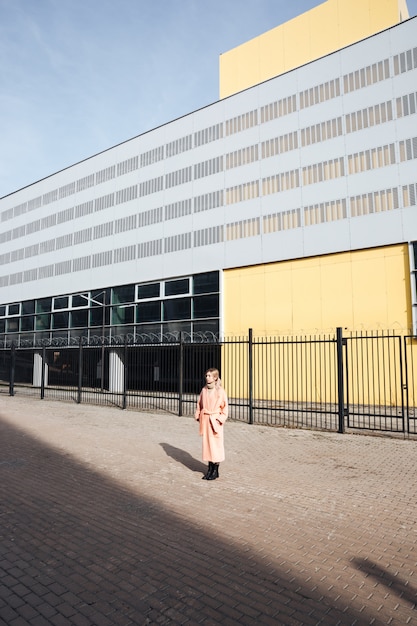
[{"x": 104, "y": 519}]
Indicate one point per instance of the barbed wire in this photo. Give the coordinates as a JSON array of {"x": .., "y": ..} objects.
[{"x": 128, "y": 339}]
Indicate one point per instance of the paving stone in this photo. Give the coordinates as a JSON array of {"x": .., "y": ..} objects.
[{"x": 105, "y": 521}]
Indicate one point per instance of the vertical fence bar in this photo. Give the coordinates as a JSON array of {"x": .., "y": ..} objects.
[
  {"x": 250, "y": 374},
  {"x": 12, "y": 368},
  {"x": 340, "y": 382},
  {"x": 347, "y": 379},
  {"x": 80, "y": 373},
  {"x": 401, "y": 372},
  {"x": 181, "y": 374},
  {"x": 405, "y": 385},
  {"x": 410, "y": 385},
  {"x": 125, "y": 374},
  {"x": 43, "y": 365}
]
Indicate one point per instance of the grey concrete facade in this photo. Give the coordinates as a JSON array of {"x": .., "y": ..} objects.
[{"x": 318, "y": 160}]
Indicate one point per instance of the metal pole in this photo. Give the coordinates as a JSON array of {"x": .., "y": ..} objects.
[
  {"x": 125, "y": 373},
  {"x": 43, "y": 372},
  {"x": 80, "y": 372},
  {"x": 340, "y": 381},
  {"x": 181, "y": 374},
  {"x": 250, "y": 372},
  {"x": 12, "y": 368},
  {"x": 103, "y": 325}
]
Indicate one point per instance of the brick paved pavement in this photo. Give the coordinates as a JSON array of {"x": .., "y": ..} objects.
[{"x": 104, "y": 520}]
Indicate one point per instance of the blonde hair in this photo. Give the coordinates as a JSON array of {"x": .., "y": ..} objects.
[{"x": 216, "y": 374}]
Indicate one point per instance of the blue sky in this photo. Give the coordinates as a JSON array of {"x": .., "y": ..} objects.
[{"x": 79, "y": 76}]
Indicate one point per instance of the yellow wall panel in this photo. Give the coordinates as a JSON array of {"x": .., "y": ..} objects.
[
  {"x": 399, "y": 304},
  {"x": 336, "y": 289},
  {"x": 366, "y": 289},
  {"x": 231, "y": 303},
  {"x": 324, "y": 29},
  {"x": 369, "y": 292},
  {"x": 254, "y": 282},
  {"x": 306, "y": 295},
  {"x": 279, "y": 312}
]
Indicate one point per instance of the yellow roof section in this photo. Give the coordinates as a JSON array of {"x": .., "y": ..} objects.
[{"x": 326, "y": 28}]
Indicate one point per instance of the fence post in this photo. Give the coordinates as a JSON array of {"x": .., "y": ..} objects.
[
  {"x": 43, "y": 365},
  {"x": 181, "y": 374},
  {"x": 12, "y": 368},
  {"x": 340, "y": 382},
  {"x": 125, "y": 373},
  {"x": 250, "y": 373},
  {"x": 80, "y": 372}
]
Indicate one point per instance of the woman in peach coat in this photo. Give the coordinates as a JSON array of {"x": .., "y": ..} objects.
[{"x": 212, "y": 411}]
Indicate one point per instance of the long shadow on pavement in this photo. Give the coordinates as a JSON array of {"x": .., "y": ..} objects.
[
  {"x": 78, "y": 549},
  {"x": 185, "y": 458},
  {"x": 392, "y": 581}
]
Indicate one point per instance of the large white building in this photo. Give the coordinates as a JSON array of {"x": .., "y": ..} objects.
[{"x": 316, "y": 163}]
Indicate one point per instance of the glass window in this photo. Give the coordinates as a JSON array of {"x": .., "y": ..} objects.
[
  {"x": 101, "y": 296},
  {"x": 148, "y": 332},
  {"x": 14, "y": 309},
  {"x": 2, "y": 310},
  {"x": 178, "y": 309},
  {"x": 13, "y": 325},
  {"x": 98, "y": 316},
  {"x": 59, "y": 334},
  {"x": 149, "y": 311},
  {"x": 60, "y": 320},
  {"x": 123, "y": 294},
  {"x": 176, "y": 287},
  {"x": 79, "y": 300},
  {"x": 42, "y": 322},
  {"x": 122, "y": 315},
  {"x": 78, "y": 332},
  {"x": 61, "y": 303},
  {"x": 27, "y": 323},
  {"x": 209, "y": 327},
  {"x": 79, "y": 319},
  {"x": 44, "y": 305},
  {"x": 206, "y": 283},
  {"x": 28, "y": 307},
  {"x": 206, "y": 306},
  {"x": 152, "y": 290},
  {"x": 2, "y": 326},
  {"x": 176, "y": 328},
  {"x": 123, "y": 330}
]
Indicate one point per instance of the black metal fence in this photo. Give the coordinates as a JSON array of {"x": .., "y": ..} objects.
[{"x": 332, "y": 382}]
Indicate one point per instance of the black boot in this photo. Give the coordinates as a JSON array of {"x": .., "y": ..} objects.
[
  {"x": 209, "y": 471},
  {"x": 215, "y": 473}
]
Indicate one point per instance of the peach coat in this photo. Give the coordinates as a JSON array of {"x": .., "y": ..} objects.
[{"x": 212, "y": 411}]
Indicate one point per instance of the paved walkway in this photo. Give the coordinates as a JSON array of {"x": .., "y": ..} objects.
[{"x": 104, "y": 520}]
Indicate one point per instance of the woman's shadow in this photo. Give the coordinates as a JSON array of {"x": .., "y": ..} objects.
[{"x": 183, "y": 457}]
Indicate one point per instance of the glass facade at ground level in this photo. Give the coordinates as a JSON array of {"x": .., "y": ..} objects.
[{"x": 153, "y": 312}]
